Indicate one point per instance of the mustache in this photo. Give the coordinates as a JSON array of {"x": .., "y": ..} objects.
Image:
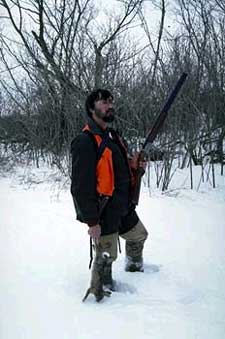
[{"x": 110, "y": 110}]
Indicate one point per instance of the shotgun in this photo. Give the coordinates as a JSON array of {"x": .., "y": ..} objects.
[{"x": 153, "y": 132}]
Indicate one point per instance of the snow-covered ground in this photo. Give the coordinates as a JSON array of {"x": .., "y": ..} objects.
[{"x": 44, "y": 256}]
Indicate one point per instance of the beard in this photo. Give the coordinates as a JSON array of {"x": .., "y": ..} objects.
[{"x": 107, "y": 117}]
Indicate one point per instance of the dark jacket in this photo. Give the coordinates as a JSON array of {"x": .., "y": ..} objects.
[{"x": 83, "y": 185}]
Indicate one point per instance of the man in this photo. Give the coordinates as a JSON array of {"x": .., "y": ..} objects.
[{"x": 101, "y": 189}]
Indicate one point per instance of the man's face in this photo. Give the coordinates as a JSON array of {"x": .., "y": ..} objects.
[{"x": 104, "y": 109}]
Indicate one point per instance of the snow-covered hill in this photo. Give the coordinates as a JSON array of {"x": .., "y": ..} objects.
[{"x": 44, "y": 256}]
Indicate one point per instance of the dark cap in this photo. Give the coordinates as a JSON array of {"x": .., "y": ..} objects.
[{"x": 98, "y": 94}]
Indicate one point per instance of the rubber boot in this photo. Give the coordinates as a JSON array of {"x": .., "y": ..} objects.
[{"x": 134, "y": 258}]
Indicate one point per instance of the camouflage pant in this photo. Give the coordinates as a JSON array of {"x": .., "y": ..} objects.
[{"x": 102, "y": 265}]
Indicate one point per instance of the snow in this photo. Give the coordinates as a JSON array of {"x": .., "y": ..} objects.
[{"x": 44, "y": 257}]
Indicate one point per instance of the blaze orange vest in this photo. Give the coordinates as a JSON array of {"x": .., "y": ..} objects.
[{"x": 104, "y": 169}]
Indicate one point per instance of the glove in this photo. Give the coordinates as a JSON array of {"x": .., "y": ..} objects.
[{"x": 95, "y": 233}]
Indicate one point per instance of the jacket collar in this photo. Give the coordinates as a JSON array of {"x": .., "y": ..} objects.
[{"x": 94, "y": 128}]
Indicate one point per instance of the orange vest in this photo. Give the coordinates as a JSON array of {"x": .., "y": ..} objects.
[{"x": 104, "y": 169}]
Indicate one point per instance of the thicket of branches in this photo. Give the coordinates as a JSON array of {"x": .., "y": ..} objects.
[{"x": 63, "y": 52}]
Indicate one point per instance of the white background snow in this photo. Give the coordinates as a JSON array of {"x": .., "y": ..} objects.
[{"x": 44, "y": 256}]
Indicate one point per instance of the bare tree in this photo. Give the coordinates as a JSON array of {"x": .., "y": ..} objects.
[{"x": 156, "y": 50}]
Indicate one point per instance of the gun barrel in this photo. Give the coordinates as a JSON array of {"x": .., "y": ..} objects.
[{"x": 162, "y": 116}]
